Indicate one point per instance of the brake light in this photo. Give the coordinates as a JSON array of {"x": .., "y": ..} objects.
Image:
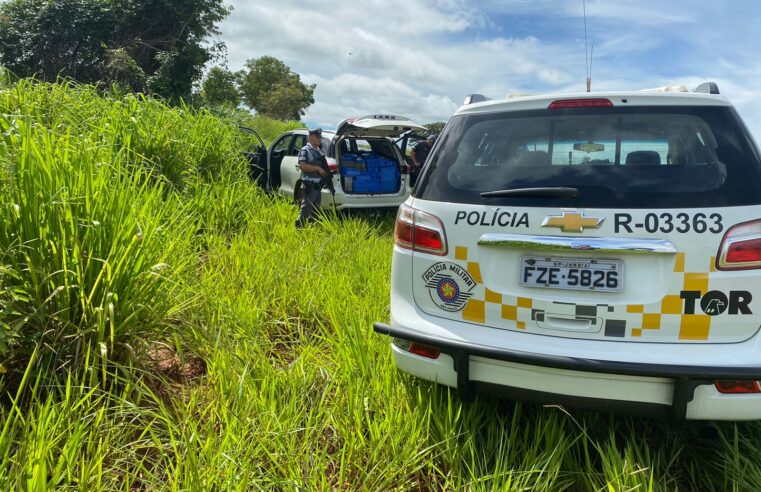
[
  {"x": 420, "y": 231},
  {"x": 737, "y": 387},
  {"x": 744, "y": 251},
  {"x": 424, "y": 350},
  {"x": 417, "y": 348},
  {"x": 332, "y": 166},
  {"x": 581, "y": 103},
  {"x": 741, "y": 247},
  {"x": 406, "y": 169}
]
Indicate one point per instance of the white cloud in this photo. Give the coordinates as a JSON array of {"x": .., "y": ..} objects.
[
  {"x": 420, "y": 58},
  {"x": 386, "y": 55},
  {"x": 361, "y": 95}
]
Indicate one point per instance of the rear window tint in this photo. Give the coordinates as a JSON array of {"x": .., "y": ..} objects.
[{"x": 635, "y": 157}]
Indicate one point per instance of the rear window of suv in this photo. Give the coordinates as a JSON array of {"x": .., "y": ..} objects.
[{"x": 630, "y": 157}]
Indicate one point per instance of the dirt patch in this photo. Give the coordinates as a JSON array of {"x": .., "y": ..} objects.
[
  {"x": 167, "y": 363},
  {"x": 169, "y": 374}
]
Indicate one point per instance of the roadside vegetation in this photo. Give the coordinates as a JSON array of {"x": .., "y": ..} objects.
[{"x": 163, "y": 326}]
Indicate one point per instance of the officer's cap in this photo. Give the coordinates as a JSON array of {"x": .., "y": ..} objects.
[{"x": 316, "y": 131}]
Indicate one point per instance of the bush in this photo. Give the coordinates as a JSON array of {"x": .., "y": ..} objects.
[
  {"x": 96, "y": 231},
  {"x": 267, "y": 128}
]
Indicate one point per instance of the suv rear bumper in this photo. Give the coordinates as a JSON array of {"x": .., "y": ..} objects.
[
  {"x": 678, "y": 391},
  {"x": 358, "y": 200}
]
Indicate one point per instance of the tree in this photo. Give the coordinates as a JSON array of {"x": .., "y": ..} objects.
[
  {"x": 168, "y": 40},
  {"x": 435, "y": 128},
  {"x": 287, "y": 101},
  {"x": 219, "y": 88},
  {"x": 122, "y": 70},
  {"x": 56, "y": 38},
  {"x": 147, "y": 45},
  {"x": 271, "y": 88}
]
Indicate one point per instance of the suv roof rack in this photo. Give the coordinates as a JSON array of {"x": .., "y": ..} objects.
[
  {"x": 667, "y": 88},
  {"x": 514, "y": 95},
  {"x": 708, "y": 88},
  {"x": 475, "y": 98}
]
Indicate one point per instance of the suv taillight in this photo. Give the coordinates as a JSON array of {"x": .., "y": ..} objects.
[
  {"x": 736, "y": 387},
  {"x": 741, "y": 247},
  {"x": 420, "y": 231}
]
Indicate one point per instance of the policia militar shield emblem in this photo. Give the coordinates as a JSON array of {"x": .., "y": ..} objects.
[
  {"x": 572, "y": 222},
  {"x": 450, "y": 286}
]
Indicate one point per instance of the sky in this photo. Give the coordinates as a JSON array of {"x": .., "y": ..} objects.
[{"x": 420, "y": 58}]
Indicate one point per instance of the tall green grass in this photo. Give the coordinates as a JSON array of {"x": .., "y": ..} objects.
[
  {"x": 128, "y": 225},
  {"x": 94, "y": 233}
]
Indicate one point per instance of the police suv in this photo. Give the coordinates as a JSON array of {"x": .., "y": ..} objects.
[{"x": 599, "y": 251}]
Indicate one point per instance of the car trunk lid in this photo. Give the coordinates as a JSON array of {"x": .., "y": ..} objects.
[{"x": 387, "y": 126}]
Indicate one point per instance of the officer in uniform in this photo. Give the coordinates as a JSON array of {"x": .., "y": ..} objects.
[
  {"x": 311, "y": 177},
  {"x": 419, "y": 155}
]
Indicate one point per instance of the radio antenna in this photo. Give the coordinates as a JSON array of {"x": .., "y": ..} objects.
[
  {"x": 591, "y": 58},
  {"x": 587, "y": 56}
]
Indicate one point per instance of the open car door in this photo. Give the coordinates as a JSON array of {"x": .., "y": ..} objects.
[
  {"x": 256, "y": 155},
  {"x": 406, "y": 142}
]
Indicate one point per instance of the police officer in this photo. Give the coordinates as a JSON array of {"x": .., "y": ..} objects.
[
  {"x": 419, "y": 155},
  {"x": 311, "y": 177}
]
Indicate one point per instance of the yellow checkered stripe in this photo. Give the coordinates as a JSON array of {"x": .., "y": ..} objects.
[
  {"x": 691, "y": 326},
  {"x": 475, "y": 309},
  {"x": 646, "y": 319}
]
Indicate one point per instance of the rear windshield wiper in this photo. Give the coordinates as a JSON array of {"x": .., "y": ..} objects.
[{"x": 549, "y": 192}]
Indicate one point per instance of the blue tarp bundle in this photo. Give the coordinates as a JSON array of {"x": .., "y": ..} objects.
[{"x": 370, "y": 173}]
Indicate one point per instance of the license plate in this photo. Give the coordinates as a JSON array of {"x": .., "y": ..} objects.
[{"x": 572, "y": 273}]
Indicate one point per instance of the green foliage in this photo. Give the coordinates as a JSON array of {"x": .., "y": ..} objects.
[
  {"x": 142, "y": 45},
  {"x": 267, "y": 128},
  {"x": 219, "y": 88},
  {"x": 435, "y": 128},
  {"x": 93, "y": 233},
  {"x": 49, "y": 39},
  {"x": 123, "y": 71},
  {"x": 271, "y": 88}
]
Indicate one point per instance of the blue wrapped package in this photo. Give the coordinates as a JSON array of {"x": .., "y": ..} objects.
[
  {"x": 350, "y": 171},
  {"x": 389, "y": 185},
  {"x": 389, "y": 172},
  {"x": 369, "y": 187}
]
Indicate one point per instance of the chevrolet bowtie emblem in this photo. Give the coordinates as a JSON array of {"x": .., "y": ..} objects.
[{"x": 572, "y": 222}]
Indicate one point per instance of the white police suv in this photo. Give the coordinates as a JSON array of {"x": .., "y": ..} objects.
[{"x": 598, "y": 251}]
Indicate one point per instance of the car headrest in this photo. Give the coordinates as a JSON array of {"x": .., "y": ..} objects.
[{"x": 643, "y": 158}]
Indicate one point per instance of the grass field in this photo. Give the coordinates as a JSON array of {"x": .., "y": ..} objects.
[{"x": 164, "y": 327}]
